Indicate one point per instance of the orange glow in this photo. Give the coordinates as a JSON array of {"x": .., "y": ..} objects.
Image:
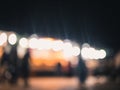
[
  {"x": 47, "y": 58},
  {"x": 92, "y": 64},
  {"x": 1, "y": 51},
  {"x": 43, "y": 58}
]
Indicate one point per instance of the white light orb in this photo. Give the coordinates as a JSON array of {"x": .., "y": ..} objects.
[
  {"x": 67, "y": 49},
  {"x": 92, "y": 53},
  {"x": 102, "y": 54},
  {"x": 12, "y": 39},
  {"x": 21, "y": 51},
  {"x": 67, "y": 45},
  {"x": 85, "y": 45},
  {"x": 41, "y": 44},
  {"x": 57, "y": 45},
  {"x": 68, "y": 53},
  {"x": 44, "y": 44},
  {"x": 23, "y": 42},
  {"x": 96, "y": 55},
  {"x": 88, "y": 53},
  {"x": 33, "y": 43},
  {"x": 3, "y": 38},
  {"x": 76, "y": 51},
  {"x": 85, "y": 53}
]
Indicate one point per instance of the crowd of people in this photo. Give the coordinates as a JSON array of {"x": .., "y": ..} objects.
[{"x": 12, "y": 67}]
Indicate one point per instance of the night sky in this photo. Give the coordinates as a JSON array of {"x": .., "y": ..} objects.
[{"x": 83, "y": 21}]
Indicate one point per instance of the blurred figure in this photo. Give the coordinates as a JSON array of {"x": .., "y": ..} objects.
[
  {"x": 4, "y": 58},
  {"x": 14, "y": 65},
  {"x": 82, "y": 71},
  {"x": 25, "y": 67},
  {"x": 70, "y": 69},
  {"x": 59, "y": 69},
  {"x": 3, "y": 65},
  {"x": 115, "y": 74}
]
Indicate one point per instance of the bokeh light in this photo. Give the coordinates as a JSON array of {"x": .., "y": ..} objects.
[
  {"x": 92, "y": 53},
  {"x": 3, "y": 38},
  {"x": 44, "y": 44},
  {"x": 23, "y": 42},
  {"x": 102, "y": 53},
  {"x": 33, "y": 43},
  {"x": 85, "y": 53},
  {"x": 57, "y": 45},
  {"x": 85, "y": 45},
  {"x": 21, "y": 51},
  {"x": 12, "y": 39},
  {"x": 76, "y": 51},
  {"x": 67, "y": 49}
]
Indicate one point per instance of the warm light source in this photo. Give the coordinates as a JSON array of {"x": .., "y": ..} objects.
[
  {"x": 76, "y": 51},
  {"x": 92, "y": 53},
  {"x": 3, "y": 38},
  {"x": 33, "y": 43},
  {"x": 12, "y": 39},
  {"x": 102, "y": 54},
  {"x": 57, "y": 45},
  {"x": 85, "y": 53},
  {"x": 44, "y": 44},
  {"x": 67, "y": 49},
  {"x": 23, "y": 42}
]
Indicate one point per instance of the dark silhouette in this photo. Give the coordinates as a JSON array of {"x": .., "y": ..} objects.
[
  {"x": 82, "y": 71},
  {"x": 25, "y": 67},
  {"x": 59, "y": 69},
  {"x": 13, "y": 65},
  {"x": 3, "y": 66},
  {"x": 70, "y": 69},
  {"x": 5, "y": 58}
]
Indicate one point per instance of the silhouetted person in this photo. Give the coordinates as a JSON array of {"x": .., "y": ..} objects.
[
  {"x": 3, "y": 65},
  {"x": 82, "y": 71},
  {"x": 59, "y": 69},
  {"x": 70, "y": 69},
  {"x": 13, "y": 65},
  {"x": 4, "y": 59},
  {"x": 25, "y": 67}
]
